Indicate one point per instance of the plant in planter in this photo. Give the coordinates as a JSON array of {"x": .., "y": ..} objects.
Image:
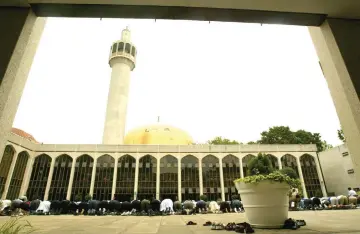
[{"x": 264, "y": 193}]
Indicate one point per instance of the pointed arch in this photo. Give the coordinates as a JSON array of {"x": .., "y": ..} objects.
[
  {"x": 231, "y": 171},
  {"x": 18, "y": 175},
  {"x": 125, "y": 179},
  {"x": 60, "y": 178},
  {"x": 147, "y": 177},
  {"x": 104, "y": 177},
  {"x": 289, "y": 160},
  {"x": 211, "y": 177},
  {"x": 82, "y": 176},
  {"x": 5, "y": 165},
  {"x": 190, "y": 189},
  {"x": 245, "y": 161},
  {"x": 274, "y": 161},
  {"x": 39, "y": 177},
  {"x": 310, "y": 174},
  {"x": 169, "y": 177}
]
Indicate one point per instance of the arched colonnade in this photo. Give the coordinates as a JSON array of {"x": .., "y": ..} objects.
[{"x": 61, "y": 175}]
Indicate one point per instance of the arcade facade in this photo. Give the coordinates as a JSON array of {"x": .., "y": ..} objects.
[{"x": 57, "y": 172}]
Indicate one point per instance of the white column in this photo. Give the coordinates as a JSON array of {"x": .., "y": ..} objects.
[
  {"x": 241, "y": 168},
  {"x": 279, "y": 162},
  {"x": 136, "y": 177},
  {"x": 337, "y": 45},
  {"x": 222, "y": 180},
  {"x": 8, "y": 179},
  {"x": 93, "y": 177},
  {"x": 201, "y": 177},
  {"x": 301, "y": 177},
  {"x": 71, "y": 180},
  {"x": 321, "y": 179},
  {"x": 22, "y": 38},
  {"x": 48, "y": 184},
  {"x": 179, "y": 180},
  {"x": 27, "y": 175},
  {"x": 158, "y": 179},
  {"x": 113, "y": 189}
]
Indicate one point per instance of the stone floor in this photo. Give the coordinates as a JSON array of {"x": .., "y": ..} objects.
[{"x": 345, "y": 221}]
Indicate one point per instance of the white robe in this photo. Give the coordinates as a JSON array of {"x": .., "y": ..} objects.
[
  {"x": 44, "y": 206},
  {"x": 166, "y": 204},
  {"x": 213, "y": 206},
  {"x": 4, "y": 204}
]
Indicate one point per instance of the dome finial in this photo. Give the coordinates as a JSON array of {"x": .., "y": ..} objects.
[{"x": 126, "y": 34}]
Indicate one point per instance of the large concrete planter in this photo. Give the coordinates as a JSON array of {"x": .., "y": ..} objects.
[{"x": 266, "y": 203}]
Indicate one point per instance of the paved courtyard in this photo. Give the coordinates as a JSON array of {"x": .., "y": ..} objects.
[{"x": 345, "y": 221}]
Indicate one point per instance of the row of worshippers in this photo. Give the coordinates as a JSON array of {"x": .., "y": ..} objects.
[
  {"x": 151, "y": 207},
  {"x": 350, "y": 201}
]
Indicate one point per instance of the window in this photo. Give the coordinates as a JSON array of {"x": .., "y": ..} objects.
[
  {"x": 133, "y": 51},
  {"x": 121, "y": 47},
  {"x": 345, "y": 154},
  {"x": 127, "y": 48},
  {"x": 114, "y": 48},
  {"x": 350, "y": 171}
]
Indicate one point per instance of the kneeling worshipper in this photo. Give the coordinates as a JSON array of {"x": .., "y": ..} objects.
[
  {"x": 5, "y": 207},
  {"x": 166, "y": 206},
  {"x": 342, "y": 200},
  {"x": 214, "y": 207},
  {"x": 44, "y": 207}
]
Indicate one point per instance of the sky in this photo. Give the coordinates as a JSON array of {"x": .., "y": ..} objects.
[{"x": 233, "y": 80}]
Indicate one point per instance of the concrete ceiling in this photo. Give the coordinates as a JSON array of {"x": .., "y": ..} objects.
[{"x": 274, "y": 10}]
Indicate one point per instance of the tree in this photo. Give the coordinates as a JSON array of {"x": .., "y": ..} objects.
[
  {"x": 341, "y": 135},
  {"x": 222, "y": 141},
  {"x": 284, "y": 135},
  {"x": 252, "y": 143}
]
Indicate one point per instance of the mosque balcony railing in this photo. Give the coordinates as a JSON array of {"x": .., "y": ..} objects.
[{"x": 256, "y": 148}]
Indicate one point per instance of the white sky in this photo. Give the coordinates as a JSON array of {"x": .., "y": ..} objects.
[{"x": 219, "y": 79}]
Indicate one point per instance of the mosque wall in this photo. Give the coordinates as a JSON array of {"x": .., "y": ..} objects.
[
  {"x": 51, "y": 171},
  {"x": 338, "y": 169}
]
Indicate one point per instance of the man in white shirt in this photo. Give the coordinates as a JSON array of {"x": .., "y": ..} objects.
[{"x": 351, "y": 193}]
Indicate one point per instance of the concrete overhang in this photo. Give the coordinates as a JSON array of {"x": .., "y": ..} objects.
[{"x": 295, "y": 12}]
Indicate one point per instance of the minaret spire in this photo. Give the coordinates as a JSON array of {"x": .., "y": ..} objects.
[{"x": 122, "y": 61}]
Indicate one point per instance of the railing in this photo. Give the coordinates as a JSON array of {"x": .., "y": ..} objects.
[{"x": 158, "y": 148}]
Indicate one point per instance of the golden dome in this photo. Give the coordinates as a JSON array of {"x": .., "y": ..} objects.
[{"x": 158, "y": 134}]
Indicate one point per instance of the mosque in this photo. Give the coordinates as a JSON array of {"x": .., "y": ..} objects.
[{"x": 157, "y": 160}]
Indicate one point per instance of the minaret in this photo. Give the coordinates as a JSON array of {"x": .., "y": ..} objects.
[{"x": 122, "y": 60}]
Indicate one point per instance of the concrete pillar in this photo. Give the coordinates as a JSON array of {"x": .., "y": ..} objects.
[
  {"x": 179, "y": 180},
  {"x": 91, "y": 192},
  {"x": 113, "y": 190},
  {"x": 48, "y": 184},
  {"x": 201, "y": 177},
  {"x": 301, "y": 177},
  {"x": 321, "y": 179},
  {"x": 241, "y": 168},
  {"x": 222, "y": 180},
  {"x": 158, "y": 179},
  {"x": 8, "y": 179},
  {"x": 337, "y": 45},
  {"x": 71, "y": 180},
  {"x": 27, "y": 175},
  {"x": 21, "y": 33},
  {"x": 279, "y": 162},
  {"x": 136, "y": 177}
]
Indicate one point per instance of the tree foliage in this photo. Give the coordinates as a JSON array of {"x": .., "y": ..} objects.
[
  {"x": 222, "y": 141},
  {"x": 260, "y": 165},
  {"x": 289, "y": 172},
  {"x": 284, "y": 135},
  {"x": 341, "y": 135}
]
